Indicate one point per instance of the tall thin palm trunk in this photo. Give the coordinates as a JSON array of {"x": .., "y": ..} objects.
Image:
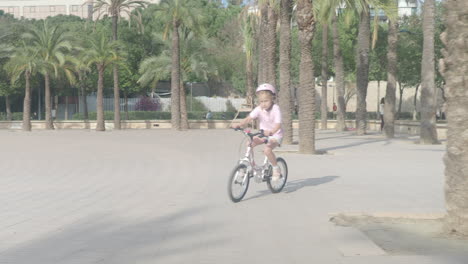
[
  {"x": 362, "y": 66},
  {"x": 175, "y": 77},
  {"x": 100, "y": 125},
  {"x": 8, "y": 108},
  {"x": 270, "y": 47},
  {"x": 390, "y": 98},
  {"x": 250, "y": 81},
  {"x": 323, "y": 105},
  {"x": 184, "y": 124},
  {"x": 428, "y": 130},
  {"x": 115, "y": 20},
  {"x": 126, "y": 106},
  {"x": 415, "y": 101},
  {"x": 262, "y": 32},
  {"x": 84, "y": 102},
  {"x": 339, "y": 78},
  {"x": 306, "y": 24},
  {"x": 27, "y": 103},
  {"x": 454, "y": 68},
  {"x": 285, "y": 73},
  {"x": 48, "y": 103}
]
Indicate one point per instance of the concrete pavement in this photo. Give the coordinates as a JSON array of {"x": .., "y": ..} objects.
[{"x": 159, "y": 196}]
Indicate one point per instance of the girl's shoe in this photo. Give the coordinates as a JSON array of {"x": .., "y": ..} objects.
[{"x": 276, "y": 174}]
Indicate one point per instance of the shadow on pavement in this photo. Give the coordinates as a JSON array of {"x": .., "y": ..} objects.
[
  {"x": 110, "y": 239},
  {"x": 299, "y": 184},
  {"x": 364, "y": 142},
  {"x": 292, "y": 186}
]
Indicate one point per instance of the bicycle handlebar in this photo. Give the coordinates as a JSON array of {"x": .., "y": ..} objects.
[{"x": 252, "y": 135}]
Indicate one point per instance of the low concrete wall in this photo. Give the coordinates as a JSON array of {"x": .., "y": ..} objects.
[{"x": 401, "y": 127}]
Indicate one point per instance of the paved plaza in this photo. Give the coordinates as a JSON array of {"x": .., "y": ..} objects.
[{"x": 160, "y": 196}]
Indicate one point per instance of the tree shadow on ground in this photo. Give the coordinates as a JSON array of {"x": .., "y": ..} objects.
[
  {"x": 292, "y": 186},
  {"x": 363, "y": 142},
  {"x": 295, "y": 185},
  {"x": 108, "y": 239},
  {"x": 409, "y": 236}
]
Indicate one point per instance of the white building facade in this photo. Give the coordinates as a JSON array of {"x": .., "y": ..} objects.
[
  {"x": 408, "y": 7},
  {"x": 41, "y": 9}
]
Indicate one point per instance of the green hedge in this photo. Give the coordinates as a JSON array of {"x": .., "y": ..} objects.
[
  {"x": 15, "y": 116},
  {"x": 147, "y": 115},
  {"x": 200, "y": 115}
]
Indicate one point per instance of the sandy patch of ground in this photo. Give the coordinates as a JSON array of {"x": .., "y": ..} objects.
[{"x": 407, "y": 236}]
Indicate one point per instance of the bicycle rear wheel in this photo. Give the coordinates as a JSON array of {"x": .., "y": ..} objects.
[
  {"x": 238, "y": 183},
  {"x": 277, "y": 186}
]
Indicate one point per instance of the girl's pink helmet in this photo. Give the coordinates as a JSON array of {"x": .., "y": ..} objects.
[{"x": 266, "y": 87}]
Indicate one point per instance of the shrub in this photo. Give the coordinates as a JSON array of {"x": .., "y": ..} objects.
[
  {"x": 146, "y": 103},
  {"x": 197, "y": 105},
  {"x": 230, "y": 107}
]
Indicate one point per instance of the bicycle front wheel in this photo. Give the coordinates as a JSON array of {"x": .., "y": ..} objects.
[
  {"x": 277, "y": 186},
  {"x": 238, "y": 183}
]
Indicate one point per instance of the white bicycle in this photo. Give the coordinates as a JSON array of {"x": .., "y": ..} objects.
[{"x": 246, "y": 169}]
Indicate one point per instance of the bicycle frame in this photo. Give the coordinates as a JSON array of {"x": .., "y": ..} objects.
[{"x": 249, "y": 161}]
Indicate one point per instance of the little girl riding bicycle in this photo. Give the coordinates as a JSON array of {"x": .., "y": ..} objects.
[{"x": 269, "y": 116}]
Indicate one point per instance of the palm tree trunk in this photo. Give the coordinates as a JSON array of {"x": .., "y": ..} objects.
[
  {"x": 175, "y": 78},
  {"x": 66, "y": 107},
  {"x": 456, "y": 159},
  {"x": 83, "y": 98},
  {"x": 117, "y": 124},
  {"x": 362, "y": 66},
  {"x": 27, "y": 103},
  {"x": 261, "y": 78},
  {"x": 415, "y": 101},
  {"x": 100, "y": 125},
  {"x": 270, "y": 47},
  {"x": 390, "y": 98},
  {"x": 115, "y": 20},
  {"x": 339, "y": 78},
  {"x": 184, "y": 125},
  {"x": 323, "y": 105},
  {"x": 48, "y": 103},
  {"x": 306, "y": 24},
  {"x": 250, "y": 81},
  {"x": 126, "y": 106},
  {"x": 285, "y": 73},
  {"x": 8, "y": 108},
  {"x": 400, "y": 100},
  {"x": 428, "y": 130}
]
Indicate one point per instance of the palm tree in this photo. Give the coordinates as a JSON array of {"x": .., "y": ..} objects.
[
  {"x": 323, "y": 105},
  {"x": 272, "y": 8},
  {"x": 362, "y": 68},
  {"x": 428, "y": 132},
  {"x": 326, "y": 11},
  {"x": 454, "y": 69},
  {"x": 249, "y": 24},
  {"x": 102, "y": 53},
  {"x": 5, "y": 52},
  {"x": 115, "y": 8},
  {"x": 306, "y": 25},
  {"x": 390, "y": 99},
  {"x": 194, "y": 62},
  {"x": 52, "y": 46},
  {"x": 285, "y": 70},
  {"x": 82, "y": 69},
  {"x": 177, "y": 13},
  {"x": 24, "y": 62}
]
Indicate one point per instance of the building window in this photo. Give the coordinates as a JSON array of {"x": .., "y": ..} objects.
[
  {"x": 11, "y": 9},
  {"x": 32, "y": 9},
  {"x": 414, "y": 11},
  {"x": 74, "y": 8},
  {"x": 52, "y": 8}
]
